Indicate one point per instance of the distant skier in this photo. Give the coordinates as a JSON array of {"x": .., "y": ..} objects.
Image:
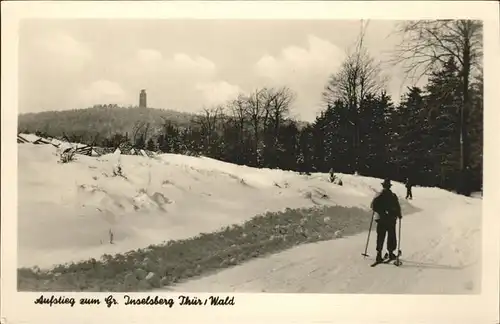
[
  {"x": 334, "y": 179},
  {"x": 332, "y": 175},
  {"x": 388, "y": 210},
  {"x": 408, "y": 185}
]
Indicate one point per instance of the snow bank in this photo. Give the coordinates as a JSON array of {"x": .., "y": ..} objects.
[{"x": 67, "y": 210}]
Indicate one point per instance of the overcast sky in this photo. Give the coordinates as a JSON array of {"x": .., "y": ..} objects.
[{"x": 187, "y": 64}]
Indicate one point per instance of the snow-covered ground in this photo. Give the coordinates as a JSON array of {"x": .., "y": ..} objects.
[{"x": 67, "y": 210}]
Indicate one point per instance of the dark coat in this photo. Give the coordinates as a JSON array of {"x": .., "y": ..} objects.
[
  {"x": 408, "y": 184},
  {"x": 386, "y": 205}
]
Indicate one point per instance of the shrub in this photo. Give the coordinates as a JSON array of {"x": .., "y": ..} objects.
[
  {"x": 67, "y": 156},
  {"x": 117, "y": 171}
]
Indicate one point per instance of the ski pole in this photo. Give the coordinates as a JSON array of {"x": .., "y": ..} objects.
[
  {"x": 398, "y": 263},
  {"x": 368, "y": 238}
]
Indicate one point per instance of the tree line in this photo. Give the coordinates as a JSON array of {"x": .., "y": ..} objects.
[{"x": 434, "y": 135}]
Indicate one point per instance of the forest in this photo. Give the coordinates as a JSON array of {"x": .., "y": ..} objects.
[{"x": 433, "y": 135}]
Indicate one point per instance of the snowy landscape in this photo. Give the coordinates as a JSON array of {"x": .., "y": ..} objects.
[
  {"x": 166, "y": 155},
  {"x": 174, "y": 197}
]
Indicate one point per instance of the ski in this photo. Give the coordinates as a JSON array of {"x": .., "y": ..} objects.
[
  {"x": 397, "y": 263},
  {"x": 384, "y": 260},
  {"x": 376, "y": 263}
]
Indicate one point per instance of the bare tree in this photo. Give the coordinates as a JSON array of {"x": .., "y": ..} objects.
[
  {"x": 257, "y": 114},
  {"x": 428, "y": 44},
  {"x": 140, "y": 133},
  {"x": 138, "y": 126},
  {"x": 279, "y": 103},
  {"x": 359, "y": 76},
  {"x": 238, "y": 108},
  {"x": 208, "y": 122}
]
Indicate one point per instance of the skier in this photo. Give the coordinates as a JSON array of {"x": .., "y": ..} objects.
[
  {"x": 332, "y": 175},
  {"x": 388, "y": 210},
  {"x": 408, "y": 185}
]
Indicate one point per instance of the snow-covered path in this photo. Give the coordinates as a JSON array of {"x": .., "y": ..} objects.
[{"x": 441, "y": 255}]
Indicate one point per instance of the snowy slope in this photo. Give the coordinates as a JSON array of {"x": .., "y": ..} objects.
[
  {"x": 67, "y": 210},
  {"x": 441, "y": 255}
]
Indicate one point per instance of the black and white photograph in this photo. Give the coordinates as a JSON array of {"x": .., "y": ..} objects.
[{"x": 226, "y": 156}]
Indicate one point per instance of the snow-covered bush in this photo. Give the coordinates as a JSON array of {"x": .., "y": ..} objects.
[
  {"x": 117, "y": 170},
  {"x": 67, "y": 155}
]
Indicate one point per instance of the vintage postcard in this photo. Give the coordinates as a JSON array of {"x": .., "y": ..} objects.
[{"x": 247, "y": 161}]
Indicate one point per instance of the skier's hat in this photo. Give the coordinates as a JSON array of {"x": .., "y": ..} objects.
[{"x": 386, "y": 183}]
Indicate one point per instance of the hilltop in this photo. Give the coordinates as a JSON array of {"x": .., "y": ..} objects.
[{"x": 99, "y": 121}]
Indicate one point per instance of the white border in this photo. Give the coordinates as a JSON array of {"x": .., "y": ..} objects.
[{"x": 19, "y": 308}]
